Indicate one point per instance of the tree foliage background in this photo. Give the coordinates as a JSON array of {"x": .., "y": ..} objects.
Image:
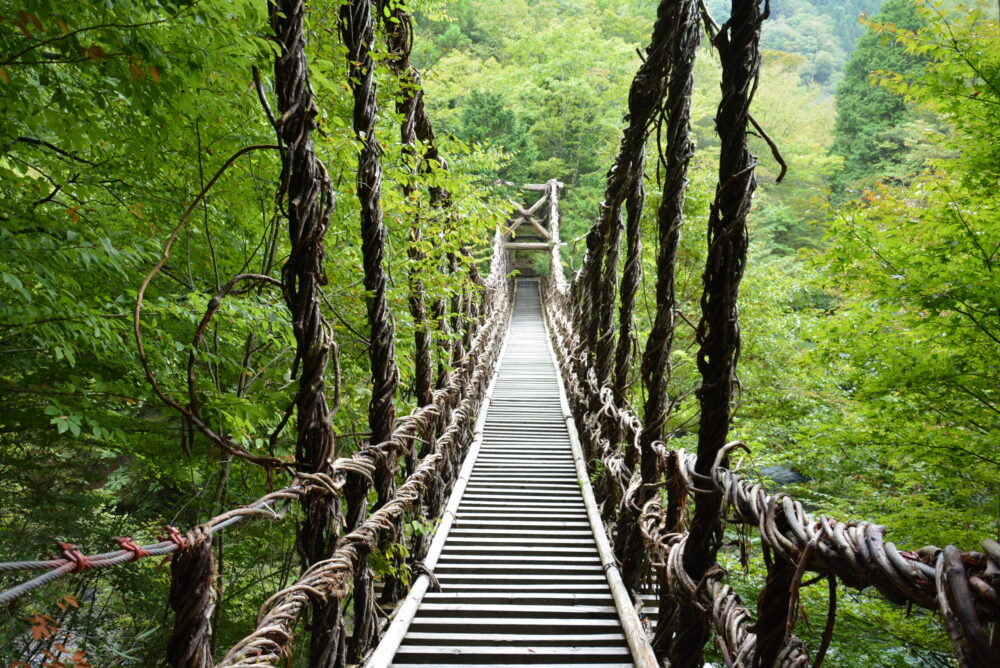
[{"x": 114, "y": 117}]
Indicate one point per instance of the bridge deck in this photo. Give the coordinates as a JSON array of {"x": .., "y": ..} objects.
[{"x": 521, "y": 577}]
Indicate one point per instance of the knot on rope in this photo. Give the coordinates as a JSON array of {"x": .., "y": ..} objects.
[
  {"x": 74, "y": 556},
  {"x": 197, "y": 536},
  {"x": 129, "y": 545},
  {"x": 434, "y": 585},
  {"x": 323, "y": 481}
]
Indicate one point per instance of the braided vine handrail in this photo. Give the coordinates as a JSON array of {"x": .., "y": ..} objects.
[
  {"x": 451, "y": 418},
  {"x": 966, "y": 584},
  {"x": 326, "y": 580}
]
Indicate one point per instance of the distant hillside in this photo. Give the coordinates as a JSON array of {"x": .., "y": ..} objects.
[{"x": 824, "y": 31}]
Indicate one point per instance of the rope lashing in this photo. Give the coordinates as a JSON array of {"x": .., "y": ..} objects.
[{"x": 174, "y": 535}]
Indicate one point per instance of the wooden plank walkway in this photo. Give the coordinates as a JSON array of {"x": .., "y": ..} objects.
[{"x": 522, "y": 580}]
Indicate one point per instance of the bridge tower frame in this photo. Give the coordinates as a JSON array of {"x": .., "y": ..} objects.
[{"x": 537, "y": 227}]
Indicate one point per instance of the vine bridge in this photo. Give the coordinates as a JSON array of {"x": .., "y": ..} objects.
[{"x": 568, "y": 532}]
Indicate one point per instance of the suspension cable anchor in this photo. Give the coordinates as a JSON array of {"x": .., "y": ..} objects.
[
  {"x": 129, "y": 545},
  {"x": 72, "y": 553},
  {"x": 175, "y": 536}
]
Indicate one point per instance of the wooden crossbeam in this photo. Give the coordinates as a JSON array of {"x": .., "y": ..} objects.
[
  {"x": 540, "y": 187},
  {"x": 538, "y": 226},
  {"x": 529, "y": 245},
  {"x": 525, "y": 216}
]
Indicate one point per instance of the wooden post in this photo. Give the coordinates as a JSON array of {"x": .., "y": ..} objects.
[{"x": 192, "y": 598}]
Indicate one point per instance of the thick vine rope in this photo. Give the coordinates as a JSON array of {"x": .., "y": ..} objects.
[
  {"x": 309, "y": 199},
  {"x": 631, "y": 276},
  {"x": 193, "y": 599},
  {"x": 715, "y": 600},
  {"x": 357, "y": 29},
  {"x": 718, "y": 333},
  {"x": 596, "y": 295},
  {"x": 682, "y": 35},
  {"x": 327, "y": 581},
  {"x": 592, "y": 293},
  {"x": 398, "y": 28},
  {"x": 415, "y": 127}
]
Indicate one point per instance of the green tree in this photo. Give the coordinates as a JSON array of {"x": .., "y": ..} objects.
[
  {"x": 113, "y": 118},
  {"x": 868, "y": 132},
  {"x": 824, "y": 31},
  {"x": 916, "y": 266},
  {"x": 564, "y": 95},
  {"x": 487, "y": 119}
]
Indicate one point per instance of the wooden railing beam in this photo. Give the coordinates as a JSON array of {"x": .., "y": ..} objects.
[{"x": 530, "y": 245}]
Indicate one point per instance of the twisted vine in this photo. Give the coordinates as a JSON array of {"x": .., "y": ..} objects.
[
  {"x": 681, "y": 36},
  {"x": 309, "y": 197}
]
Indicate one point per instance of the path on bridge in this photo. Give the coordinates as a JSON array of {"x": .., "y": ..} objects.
[{"x": 521, "y": 575}]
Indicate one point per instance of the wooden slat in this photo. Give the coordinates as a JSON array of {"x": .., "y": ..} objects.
[
  {"x": 522, "y": 581},
  {"x": 461, "y": 557},
  {"x": 501, "y": 639},
  {"x": 521, "y": 597},
  {"x": 526, "y": 654}
]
